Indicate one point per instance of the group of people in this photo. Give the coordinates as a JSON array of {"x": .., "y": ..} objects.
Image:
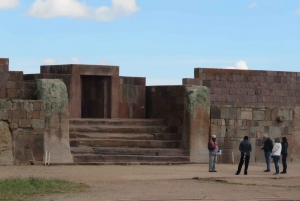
[{"x": 270, "y": 150}]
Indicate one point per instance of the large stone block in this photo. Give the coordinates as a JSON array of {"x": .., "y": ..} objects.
[
  {"x": 56, "y": 137},
  {"x": 23, "y": 143},
  {"x": 246, "y": 115},
  {"x": 275, "y": 132},
  {"x": 225, "y": 113},
  {"x": 196, "y": 123},
  {"x": 6, "y": 155},
  {"x": 215, "y": 112},
  {"x": 258, "y": 115}
]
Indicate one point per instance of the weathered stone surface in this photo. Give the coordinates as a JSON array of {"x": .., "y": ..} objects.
[
  {"x": 56, "y": 138},
  {"x": 6, "y": 156},
  {"x": 246, "y": 115},
  {"x": 23, "y": 144},
  {"x": 258, "y": 115},
  {"x": 295, "y": 157},
  {"x": 215, "y": 112},
  {"x": 196, "y": 123}
]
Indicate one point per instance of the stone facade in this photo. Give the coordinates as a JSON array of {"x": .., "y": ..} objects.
[
  {"x": 243, "y": 102},
  {"x": 231, "y": 123},
  {"x": 248, "y": 87},
  {"x": 26, "y": 123}
]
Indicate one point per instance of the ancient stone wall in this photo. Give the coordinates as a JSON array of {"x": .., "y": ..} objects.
[
  {"x": 26, "y": 124},
  {"x": 249, "y": 87},
  {"x": 166, "y": 102},
  {"x": 12, "y": 85},
  {"x": 231, "y": 123},
  {"x": 132, "y": 97}
]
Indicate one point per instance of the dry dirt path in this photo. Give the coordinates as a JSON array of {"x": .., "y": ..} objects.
[{"x": 176, "y": 182}]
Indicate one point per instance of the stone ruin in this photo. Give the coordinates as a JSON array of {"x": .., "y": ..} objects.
[{"x": 89, "y": 114}]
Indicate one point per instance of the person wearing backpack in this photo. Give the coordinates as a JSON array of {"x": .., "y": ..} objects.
[{"x": 213, "y": 152}]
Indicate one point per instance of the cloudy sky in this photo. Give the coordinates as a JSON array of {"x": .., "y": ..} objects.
[{"x": 163, "y": 40}]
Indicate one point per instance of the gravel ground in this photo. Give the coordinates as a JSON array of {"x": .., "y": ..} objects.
[{"x": 175, "y": 182}]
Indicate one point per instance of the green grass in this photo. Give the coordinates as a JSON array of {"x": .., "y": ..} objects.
[{"x": 15, "y": 189}]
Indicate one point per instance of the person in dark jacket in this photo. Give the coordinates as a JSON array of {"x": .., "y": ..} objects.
[
  {"x": 245, "y": 148},
  {"x": 213, "y": 152},
  {"x": 284, "y": 153},
  {"x": 268, "y": 146}
]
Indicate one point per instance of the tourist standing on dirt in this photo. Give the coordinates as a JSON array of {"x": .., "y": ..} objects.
[
  {"x": 268, "y": 146},
  {"x": 213, "y": 151},
  {"x": 245, "y": 148},
  {"x": 276, "y": 151},
  {"x": 284, "y": 153}
]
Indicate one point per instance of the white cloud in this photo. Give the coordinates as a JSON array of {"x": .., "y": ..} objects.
[
  {"x": 51, "y": 61},
  {"x": 252, "y": 5},
  {"x": 298, "y": 11},
  {"x": 76, "y": 9},
  {"x": 8, "y": 3},
  {"x": 241, "y": 65}
]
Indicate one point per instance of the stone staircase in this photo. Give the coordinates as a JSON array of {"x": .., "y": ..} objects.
[{"x": 124, "y": 142}]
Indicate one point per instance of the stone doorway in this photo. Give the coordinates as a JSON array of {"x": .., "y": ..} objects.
[{"x": 96, "y": 97}]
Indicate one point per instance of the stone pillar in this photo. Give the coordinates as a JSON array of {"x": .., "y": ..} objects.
[
  {"x": 6, "y": 156},
  {"x": 196, "y": 122},
  {"x": 56, "y": 138},
  {"x": 295, "y": 155}
]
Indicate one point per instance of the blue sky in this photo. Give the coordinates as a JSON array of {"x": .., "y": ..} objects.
[{"x": 162, "y": 40}]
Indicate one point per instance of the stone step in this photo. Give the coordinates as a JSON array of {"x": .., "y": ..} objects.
[
  {"x": 129, "y": 151},
  {"x": 127, "y": 158},
  {"x": 133, "y": 163},
  {"x": 127, "y": 136},
  {"x": 118, "y": 129},
  {"x": 116, "y": 122},
  {"x": 124, "y": 143}
]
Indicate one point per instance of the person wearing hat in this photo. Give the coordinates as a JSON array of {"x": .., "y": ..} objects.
[
  {"x": 213, "y": 151},
  {"x": 268, "y": 146},
  {"x": 245, "y": 148}
]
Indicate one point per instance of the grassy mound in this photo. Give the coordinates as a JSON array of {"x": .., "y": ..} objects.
[{"x": 14, "y": 189}]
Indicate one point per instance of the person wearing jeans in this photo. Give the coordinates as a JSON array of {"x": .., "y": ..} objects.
[
  {"x": 276, "y": 151},
  {"x": 213, "y": 151},
  {"x": 268, "y": 146}
]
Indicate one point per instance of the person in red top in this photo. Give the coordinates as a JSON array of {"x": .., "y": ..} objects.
[{"x": 213, "y": 152}]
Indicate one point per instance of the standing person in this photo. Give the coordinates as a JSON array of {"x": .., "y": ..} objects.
[
  {"x": 284, "y": 153},
  {"x": 276, "y": 154},
  {"x": 213, "y": 151},
  {"x": 268, "y": 146},
  {"x": 245, "y": 148}
]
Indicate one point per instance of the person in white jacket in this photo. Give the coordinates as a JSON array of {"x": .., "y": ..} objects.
[{"x": 276, "y": 151}]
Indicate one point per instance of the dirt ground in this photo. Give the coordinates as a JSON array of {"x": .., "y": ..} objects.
[{"x": 167, "y": 183}]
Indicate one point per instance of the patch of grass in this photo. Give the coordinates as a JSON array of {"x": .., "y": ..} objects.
[{"x": 15, "y": 189}]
